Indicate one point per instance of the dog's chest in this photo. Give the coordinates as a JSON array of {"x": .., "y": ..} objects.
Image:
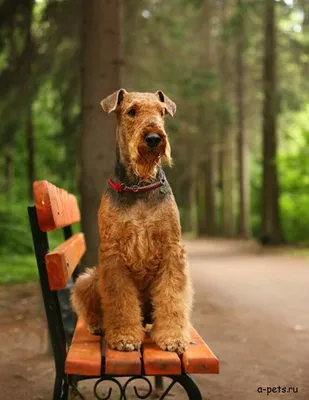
[
  {"x": 140, "y": 234},
  {"x": 142, "y": 238}
]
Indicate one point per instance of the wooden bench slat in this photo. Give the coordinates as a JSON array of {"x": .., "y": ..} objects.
[
  {"x": 85, "y": 357},
  {"x": 61, "y": 262},
  {"x": 159, "y": 362},
  {"x": 85, "y": 354},
  {"x": 198, "y": 358},
  {"x": 122, "y": 363},
  {"x": 55, "y": 207}
]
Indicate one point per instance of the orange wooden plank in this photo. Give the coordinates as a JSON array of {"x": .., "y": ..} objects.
[
  {"x": 85, "y": 354},
  {"x": 122, "y": 362},
  {"x": 55, "y": 207},
  {"x": 159, "y": 362},
  {"x": 61, "y": 262},
  {"x": 198, "y": 358}
]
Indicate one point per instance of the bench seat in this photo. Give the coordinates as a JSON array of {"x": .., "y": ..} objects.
[{"x": 89, "y": 356}]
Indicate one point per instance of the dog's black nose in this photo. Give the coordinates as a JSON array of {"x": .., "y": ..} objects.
[{"x": 153, "y": 139}]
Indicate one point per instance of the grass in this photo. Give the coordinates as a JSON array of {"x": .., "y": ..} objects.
[{"x": 17, "y": 268}]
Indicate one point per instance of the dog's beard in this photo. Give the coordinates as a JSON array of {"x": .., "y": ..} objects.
[
  {"x": 146, "y": 161},
  {"x": 143, "y": 162},
  {"x": 166, "y": 157}
]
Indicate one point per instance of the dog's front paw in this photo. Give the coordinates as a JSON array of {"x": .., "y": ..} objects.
[
  {"x": 177, "y": 344},
  {"x": 126, "y": 343}
]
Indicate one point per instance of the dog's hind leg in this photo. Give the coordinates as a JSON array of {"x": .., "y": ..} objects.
[{"x": 85, "y": 299}]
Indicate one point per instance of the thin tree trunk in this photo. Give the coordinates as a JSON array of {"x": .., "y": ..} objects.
[
  {"x": 186, "y": 218},
  {"x": 305, "y": 28},
  {"x": 9, "y": 168},
  {"x": 242, "y": 143},
  {"x": 271, "y": 232},
  {"x": 29, "y": 90},
  {"x": 193, "y": 200},
  {"x": 210, "y": 173},
  {"x": 189, "y": 222},
  {"x": 226, "y": 138},
  {"x": 207, "y": 188},
  {"x": 209, "y": 228},
  {"x": 30, "y": 149},
  {"x": 101, "y": 76}
]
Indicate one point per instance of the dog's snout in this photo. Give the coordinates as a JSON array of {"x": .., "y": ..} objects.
[{"x": 153, "y": 139}]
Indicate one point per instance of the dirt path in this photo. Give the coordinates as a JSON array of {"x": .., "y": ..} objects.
[{"x": 251, "y": 308}]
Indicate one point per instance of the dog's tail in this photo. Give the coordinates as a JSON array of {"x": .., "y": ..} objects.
[{"x": 85, "y": 299}]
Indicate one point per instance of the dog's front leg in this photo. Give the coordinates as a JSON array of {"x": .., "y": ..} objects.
[
  {"x": 171, "y": 294},
  {"x": 122, "y": 321}
]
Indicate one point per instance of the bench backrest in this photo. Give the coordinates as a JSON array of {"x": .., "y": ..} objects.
[{"x": 55, "y": 208}]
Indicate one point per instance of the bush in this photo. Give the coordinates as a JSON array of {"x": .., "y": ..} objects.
[{"x": 15, "y": 236}]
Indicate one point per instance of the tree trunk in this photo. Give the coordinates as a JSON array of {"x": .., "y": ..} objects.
[
  {"x": 193, "y": 200},
  {"x": 9, "y": 168},
  {"x": 101, "y": 76},
  {"x": 242, "y": 143},
  {"x": 226, "y": 137},
  {"x": 305, "y": 28},
  {"x": 271, "y": 232},
  {"x": 209, "y": 226},
  {"x": 186, "y": 220},
  {"x": 30, "y": 149},
  {"x": 189, "y": 222},
  {"x": 29, "y": 92},
  {"x": 207, "y": 188}
]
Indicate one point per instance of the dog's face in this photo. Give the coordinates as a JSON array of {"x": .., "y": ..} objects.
[{"x": 141, "y": 136}]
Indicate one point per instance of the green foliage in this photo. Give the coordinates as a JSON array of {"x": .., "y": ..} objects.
[
  {"x": 293, "y": 163},
  {"x": 293, "y": 166},
  {"x": 16, "y": 268},
  {"x": 295, "y": 209},
  {"x": 165, "y": 48},
  {"x": 15, "y": 237}
]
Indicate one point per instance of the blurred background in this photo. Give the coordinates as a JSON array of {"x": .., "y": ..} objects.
[{"x": 238, "y": 71}]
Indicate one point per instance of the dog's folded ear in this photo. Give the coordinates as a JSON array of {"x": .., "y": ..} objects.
[
  {"x": 110, "y": 103},
  {"x": 170, "y": 105}
]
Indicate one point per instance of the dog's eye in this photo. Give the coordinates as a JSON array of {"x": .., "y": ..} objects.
[
  {"x": 132, "y": 112},
  {"x": 163, "y": 112}
]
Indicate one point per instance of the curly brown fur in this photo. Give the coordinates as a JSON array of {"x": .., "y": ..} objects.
[
  {"x": 85, "y": 300},
  {"x": 142, "y": 263}
]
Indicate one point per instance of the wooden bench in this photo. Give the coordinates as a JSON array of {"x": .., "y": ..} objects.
[{"x": 88, "y": 357}]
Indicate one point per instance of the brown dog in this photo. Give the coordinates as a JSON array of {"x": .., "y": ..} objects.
[{"x": 142, "y": 266}]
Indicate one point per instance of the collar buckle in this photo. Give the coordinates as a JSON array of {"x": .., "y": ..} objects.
[{"x": 123, "y": 186}]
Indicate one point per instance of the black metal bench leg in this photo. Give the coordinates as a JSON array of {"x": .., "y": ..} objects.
[
  {"x": 189, "y": 385},
  {"x": 61, "y": 388},
  {"x": 158, "y": 382}
]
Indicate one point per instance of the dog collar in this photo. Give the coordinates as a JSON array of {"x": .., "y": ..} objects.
[{"x": 122, "y": 187}]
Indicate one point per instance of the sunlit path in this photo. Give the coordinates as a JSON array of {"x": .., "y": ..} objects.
[{"x": 252, "y": 308}]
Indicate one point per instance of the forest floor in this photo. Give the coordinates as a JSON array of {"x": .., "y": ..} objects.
[{"x": 251, "y": 307}]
